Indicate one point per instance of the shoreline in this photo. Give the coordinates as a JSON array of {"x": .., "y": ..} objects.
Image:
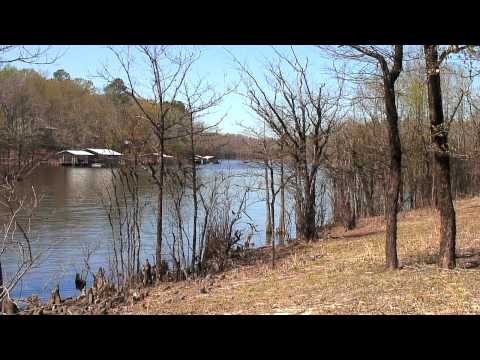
[{"x": 343, "y": 273}]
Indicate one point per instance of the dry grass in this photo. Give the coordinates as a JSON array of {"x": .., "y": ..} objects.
[{"x": 342, "y": 275}]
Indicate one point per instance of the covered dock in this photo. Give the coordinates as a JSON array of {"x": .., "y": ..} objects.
[
  {"x": 207, "y": 159},
  {"x": 75, "y": 157},
  {"x": 104, "y": 157},
  {"x": 154, "y": 158}
]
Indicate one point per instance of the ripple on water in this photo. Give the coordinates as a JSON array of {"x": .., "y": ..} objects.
[{"x": 72, "y": 218}]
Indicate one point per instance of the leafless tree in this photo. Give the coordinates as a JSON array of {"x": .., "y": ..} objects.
[
  {"x": 200, "y": 100},
  {"x": 390, "y": 61},
  {"x": 303, "y": 116},
  {"x": 10, "y": 54},
  {"x": 16, "y": 212},
  {"x": 125, "y": 207},
  {"x": 168, "y": 68},
  {"x": 225, "y": 206},
  {"x": 439, "y": 129},
  {"x": 272, "y": 178},
  {"x": 282, "y": 227},
  {"x": 177, "y": 186},
  {"x": 221, "y": 210}
]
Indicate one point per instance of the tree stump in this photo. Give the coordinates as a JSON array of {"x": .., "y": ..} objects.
[
  {"x": 90, "y": 296},
  {"x": 9, "y": 307},
  {"x": 55, "y": 298},
  {"x": 147, "y": 274},
  {"x": 99, "y": 281}
]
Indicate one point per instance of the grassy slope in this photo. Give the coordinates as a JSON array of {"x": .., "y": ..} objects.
[{"x": 342, "y": 275}]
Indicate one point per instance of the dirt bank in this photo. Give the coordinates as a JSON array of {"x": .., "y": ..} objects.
[{"x": 343, "y": 274}]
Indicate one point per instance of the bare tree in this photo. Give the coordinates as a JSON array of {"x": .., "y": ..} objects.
[
  {"x": 200, "y": 99},
  {"x": 225, "y": 206},
  {"x": 390, "y": 61},
  {"x": 124, "y": 208},
  {"x": 167, "y": 69},
  {"x": 10, "y": 54},
  {"x": 439, "y": 130},
  {"x": 177, "y": 186},
  {"x": 282, "y": 227},
  {"x": 16, "y": 212},
  {"x": 304, "y": 117}
]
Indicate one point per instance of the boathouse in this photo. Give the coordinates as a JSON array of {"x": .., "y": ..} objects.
[
  {"x": 207, "y": 159},
  {"x": 154, "y": 158},
  {"x": 75, "y": 157},
  {"x": 104, "y": 157}
]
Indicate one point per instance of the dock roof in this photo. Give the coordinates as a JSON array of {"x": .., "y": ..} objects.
[
  {"x": 106, "y": 152},
  {"x": 76, "y": 152},
  {"x": 164, "y": 155}
]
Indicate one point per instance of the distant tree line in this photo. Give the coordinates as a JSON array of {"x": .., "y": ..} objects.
[{"x": 60, "y": 112}]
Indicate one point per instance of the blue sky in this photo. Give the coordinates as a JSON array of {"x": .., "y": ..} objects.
[{"x": 215, "y": 65}]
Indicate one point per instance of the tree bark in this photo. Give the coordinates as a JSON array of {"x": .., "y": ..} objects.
[
  {"x": 394, "y": 175},
  {"x": 304, "y": 206},
  {"x": 195, "y": 198},
  {"x": 158, "y": 250},
  {"x": 268, "y": 221},
  {"x": 394, "y": 172},
  {"x": 441, "y": 160},
  {"x": 272, "y": 213},
  {"x": 282, "y": 229},
  {"x": 309, "y": 214},
  {"x": 369, "y": 191}
]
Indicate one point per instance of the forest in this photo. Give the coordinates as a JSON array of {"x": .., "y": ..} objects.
[
  {"x": 394, "y": 129},
  {"x": 57, "y": 113}
]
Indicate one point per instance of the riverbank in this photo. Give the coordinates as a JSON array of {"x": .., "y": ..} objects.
[
  {"x": 343, "y": 274},
  {"x": 71, "y": 221}
]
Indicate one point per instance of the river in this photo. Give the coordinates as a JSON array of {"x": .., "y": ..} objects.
[{"x": 72, "y": 220}]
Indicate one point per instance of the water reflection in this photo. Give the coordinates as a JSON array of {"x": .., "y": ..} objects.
[{"x": 71, "y": 221}]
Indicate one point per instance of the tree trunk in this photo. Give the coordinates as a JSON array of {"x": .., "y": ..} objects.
[
  {"x": 281, "y": 228},
  {"x": 268, "y": 221},
  {"x": 307, "y": 206},
  {"x": 369, "y": 197},
  {"x": 310, "y": 230},
  {"x": 1, "y": 277},
  {"x": 195, "y": 198},
  {"x": 158, "y": 250},
  {"x": 309, "y": 211},
  {"x": 394, "y": 176},
  {"x": 441, "y": 160},
  {"x": 272, "y": 213}
]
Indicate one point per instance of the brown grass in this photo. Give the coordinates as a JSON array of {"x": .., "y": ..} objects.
[{"x": 342, "y": 275}]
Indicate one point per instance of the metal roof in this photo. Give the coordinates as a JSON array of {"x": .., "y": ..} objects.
[
  {"x": 164, "y": 155},
  {"x": 76, "y": 152},
  {"x": 104, "y": 152},
  {"x": 157, "y": 154}
]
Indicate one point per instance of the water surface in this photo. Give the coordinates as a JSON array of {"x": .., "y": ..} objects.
[{"x": 72, "y": 220}]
